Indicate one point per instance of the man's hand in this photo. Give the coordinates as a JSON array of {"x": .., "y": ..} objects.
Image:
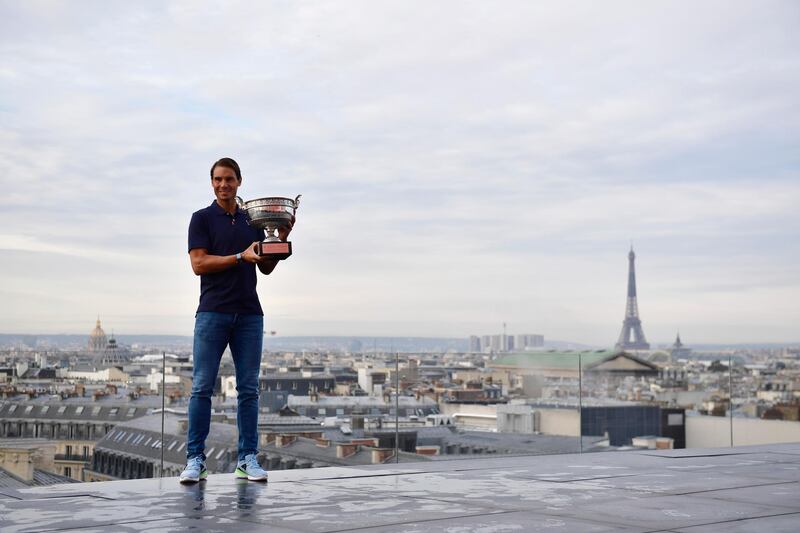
[
  {"x": 249, "y": 254},
  {"x": 283, "y": 233}
]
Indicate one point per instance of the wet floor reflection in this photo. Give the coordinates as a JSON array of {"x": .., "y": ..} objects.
[
  {"x": 196, "y": 495},
  {"x": 241, "y": 496}
]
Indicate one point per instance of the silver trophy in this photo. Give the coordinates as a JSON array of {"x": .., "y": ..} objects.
[{"x": 271, "y": 214}]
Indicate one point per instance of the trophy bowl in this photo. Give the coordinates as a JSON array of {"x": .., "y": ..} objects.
[{"x": 270, "y": 213}]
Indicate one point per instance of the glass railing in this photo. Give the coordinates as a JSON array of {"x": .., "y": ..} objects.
[{"x": 529, "y": 403}]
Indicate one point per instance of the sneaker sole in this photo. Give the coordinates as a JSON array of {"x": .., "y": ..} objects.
[
  {"x": 241, "y": 474},
  {"x": 187, "y": 480}
]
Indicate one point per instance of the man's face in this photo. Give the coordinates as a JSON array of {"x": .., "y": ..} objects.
[{"x": 224, "y": 183}]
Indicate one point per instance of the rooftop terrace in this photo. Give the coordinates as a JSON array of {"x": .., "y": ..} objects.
[{"x": 733, "y": 489}]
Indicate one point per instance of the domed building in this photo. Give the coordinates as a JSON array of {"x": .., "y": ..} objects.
[
  {"x": 105, "y": 349},
  {"x": 97, "y": 339}
]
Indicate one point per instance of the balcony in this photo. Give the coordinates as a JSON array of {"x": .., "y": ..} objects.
[
  {"x": 72, "y": 457},
  {"x": 755, "y": 488}
]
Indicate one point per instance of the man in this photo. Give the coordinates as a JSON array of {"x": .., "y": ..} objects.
[{"x": 221, "y": 252}]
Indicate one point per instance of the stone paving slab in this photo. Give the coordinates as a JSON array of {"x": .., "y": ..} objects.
[
  {"x": 518, "y": 521},
  {"x": 677, "y": 483},
  {"x": 778, "y": 495},
  {"x": 673, "y": 512},
  {"x": 785, "y": 523},
  {"x": 500, "y": 490}
]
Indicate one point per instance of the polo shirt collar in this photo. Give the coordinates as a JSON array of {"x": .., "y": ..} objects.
[{"x": 220, "y": 211}]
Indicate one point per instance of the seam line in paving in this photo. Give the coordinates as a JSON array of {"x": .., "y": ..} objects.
[
  {"x": 415, "y": 522},
  {"x": 105, "y": 525},
  {"x": 699, "y": 455},
  {"x": 534, "y": 478},
  {"x": 724, "y": 522},
  {"x": 663, "y": 493},
  {"x": 731, "y": 488}
]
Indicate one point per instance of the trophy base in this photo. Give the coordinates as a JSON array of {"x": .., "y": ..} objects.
[{"x": 273, "y": 250}]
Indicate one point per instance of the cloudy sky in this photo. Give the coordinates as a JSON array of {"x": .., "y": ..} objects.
[{"x": 462, "y": 164}]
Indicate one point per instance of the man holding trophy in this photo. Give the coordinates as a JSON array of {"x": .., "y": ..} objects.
[{"x": 225, "y": 249}]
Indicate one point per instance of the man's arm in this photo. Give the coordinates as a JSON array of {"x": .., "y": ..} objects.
[{"x": 205, "y": 263}]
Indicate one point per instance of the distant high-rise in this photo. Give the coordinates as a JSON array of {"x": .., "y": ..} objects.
[
  {"x": 528, "y": 341},
  {"x": 504, "y": 342},
  {"x": 632, "y": 337},
  {"x": 474, "y": 344}
]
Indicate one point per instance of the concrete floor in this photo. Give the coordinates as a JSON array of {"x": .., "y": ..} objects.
[{"x": 753, "y": 488}]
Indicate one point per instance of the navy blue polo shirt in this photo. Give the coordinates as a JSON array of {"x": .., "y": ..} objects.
[{"x": 234, "y": 289}]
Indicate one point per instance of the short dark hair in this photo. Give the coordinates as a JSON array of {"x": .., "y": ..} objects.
[{"x": 229, "y": 163}]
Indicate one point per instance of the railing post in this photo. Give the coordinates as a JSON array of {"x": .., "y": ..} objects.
[
  {"x": 730, "y": 394},
  {"x": 580, "y": 404},
  {"x": 163, "y": 393}
]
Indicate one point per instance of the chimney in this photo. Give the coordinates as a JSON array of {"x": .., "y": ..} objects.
[
  {"x": 284, "y": 440},
  {"x": 18, "y": 462},
  {"x": 381, "y": 455},
  {"x": 344, "y": 450}
]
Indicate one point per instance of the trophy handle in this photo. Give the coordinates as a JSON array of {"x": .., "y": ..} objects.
[
  {"x": 239, "y": 202},
  {"x": 297, "y": 201}
]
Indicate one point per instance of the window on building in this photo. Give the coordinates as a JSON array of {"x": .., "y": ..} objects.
[
  {"x": 44, "y": 410},
  {"x": 28, "y": 409},
  {"x": 61, "y": 409},
  {"x": 321, "y": 411},
  {"x": 85, "y": 452},
  {"x": 67, "y": 471},
  {"x": 219, "y": 454},
  {"x": 12, "y": 408},
  {"x": 79, "y": 410},
  {"x": 675, "y": 419},
  {"x": 95, "y": 410},
  {"x": 294, "y": 385},
  {"x": 340, "y": 412},
  {"x": 181, "y": 447},
  {"x": 113, "y": 411},
  {"x": 209, "y": 452},
  {"x": 131, "y": 412},
  {"x": 68, "y": 449},
  {"x": 172, "y": 444},
  {"x": 148, "y": 441}
]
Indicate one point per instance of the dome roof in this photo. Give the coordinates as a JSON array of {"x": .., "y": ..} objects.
[
  {"x": 97, "y": 331},
  {"x": 97, "y": 338}
]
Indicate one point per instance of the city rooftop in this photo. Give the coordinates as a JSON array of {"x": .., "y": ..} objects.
[{"x": 753, "y": 488}]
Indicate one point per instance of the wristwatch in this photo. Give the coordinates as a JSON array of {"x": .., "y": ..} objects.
[{"x": 238, "y": 258}]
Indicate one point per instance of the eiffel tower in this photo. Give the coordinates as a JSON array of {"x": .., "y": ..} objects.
[{"x": 632, "y": 326}]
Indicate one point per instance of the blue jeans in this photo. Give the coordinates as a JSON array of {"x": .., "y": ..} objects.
[{"x": 212, "y": 333}]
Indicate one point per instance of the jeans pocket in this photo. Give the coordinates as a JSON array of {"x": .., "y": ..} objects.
[{"x": 211, "y": 326}]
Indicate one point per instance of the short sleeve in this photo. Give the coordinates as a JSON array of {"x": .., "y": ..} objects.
[{"x": 198, "y": 232}]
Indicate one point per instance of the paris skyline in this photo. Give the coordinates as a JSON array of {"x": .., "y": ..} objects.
[{"x": 464, "y": 168}]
